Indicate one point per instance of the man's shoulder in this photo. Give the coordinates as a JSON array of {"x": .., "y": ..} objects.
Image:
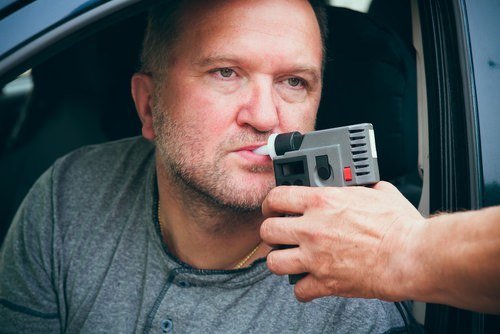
[
  {"x": 132, "y": 146},
  {"x": 111, "y": 165},
  {"x": 123, "y": 154}
]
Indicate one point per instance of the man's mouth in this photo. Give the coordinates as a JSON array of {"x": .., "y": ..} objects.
[{"x": 247, "y": 153}]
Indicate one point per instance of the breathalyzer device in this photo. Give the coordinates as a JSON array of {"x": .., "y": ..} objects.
[{"x": 343, "y": 156}]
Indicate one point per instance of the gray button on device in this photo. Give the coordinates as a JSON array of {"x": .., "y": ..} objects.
[{"x": 324, "y": 170}]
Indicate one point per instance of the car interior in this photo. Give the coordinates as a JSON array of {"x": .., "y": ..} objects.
[{"x": 81, "y": 96}]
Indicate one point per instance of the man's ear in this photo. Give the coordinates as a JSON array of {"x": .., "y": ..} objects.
[{"x": 142, "y": 86}]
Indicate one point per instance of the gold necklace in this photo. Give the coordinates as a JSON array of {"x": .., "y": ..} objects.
[
  {"x": 246, "y": 258},
  {"x": 238, "y": 266},
  {"x": 159, "y": 221}
]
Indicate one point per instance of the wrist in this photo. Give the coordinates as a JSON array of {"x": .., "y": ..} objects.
[
  {"x": 405, "y": 250},
  {"x": 415, "y": 265}
]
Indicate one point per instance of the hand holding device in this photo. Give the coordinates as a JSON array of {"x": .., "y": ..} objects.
[{"x": 344, "y": 156}]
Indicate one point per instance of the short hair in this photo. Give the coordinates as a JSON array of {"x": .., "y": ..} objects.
[{"x": 164, "y": 22}]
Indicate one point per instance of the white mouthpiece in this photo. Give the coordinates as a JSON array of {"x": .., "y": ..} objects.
[
  {"x": 263, "y": 150},
  {"x": 267, "y": 149}
]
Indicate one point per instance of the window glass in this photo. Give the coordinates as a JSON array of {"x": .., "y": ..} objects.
[
  {"x": 359, "y": 5},
  {"x": 22, "y": 84}
]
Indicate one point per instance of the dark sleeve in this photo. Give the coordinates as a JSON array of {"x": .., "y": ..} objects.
[{"x": 28, "y": 301}]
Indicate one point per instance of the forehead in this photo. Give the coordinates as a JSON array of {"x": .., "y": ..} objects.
[{"x": 278, "y": 29}]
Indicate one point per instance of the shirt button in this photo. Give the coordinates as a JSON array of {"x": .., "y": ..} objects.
[
  {"x": 167, "y": 326},
  {"x": 184, "y": 284}
]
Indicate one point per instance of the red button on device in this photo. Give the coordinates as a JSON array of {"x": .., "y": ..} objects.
[{"x": 347, "y": 174}]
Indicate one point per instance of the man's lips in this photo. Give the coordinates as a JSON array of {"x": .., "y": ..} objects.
[
  {"x": 250, "y": 147},
  {"x": 246, "y": 153}
]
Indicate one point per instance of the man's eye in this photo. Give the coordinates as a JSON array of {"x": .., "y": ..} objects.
[
  {"x": 295, "y": 82},
  {"x": 226, "y": 72}
]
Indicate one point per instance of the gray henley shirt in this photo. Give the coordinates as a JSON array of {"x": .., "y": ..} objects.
[{"x": 84, "y": 254}]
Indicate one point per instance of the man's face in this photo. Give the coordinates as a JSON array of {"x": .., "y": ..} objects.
[{"x": 240, "y": 71}]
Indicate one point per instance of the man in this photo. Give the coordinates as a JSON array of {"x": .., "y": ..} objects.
[
  {"x": 384, "y": 250},
  {"x": 131, "y": 236}
]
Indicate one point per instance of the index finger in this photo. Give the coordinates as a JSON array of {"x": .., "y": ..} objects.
[{"x": 288, "y": 200}]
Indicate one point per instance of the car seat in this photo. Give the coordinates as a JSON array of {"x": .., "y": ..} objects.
[{"x": 370, "y": 77}]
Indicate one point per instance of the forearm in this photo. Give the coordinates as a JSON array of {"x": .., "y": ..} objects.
[{"x": 454, "y": 259}]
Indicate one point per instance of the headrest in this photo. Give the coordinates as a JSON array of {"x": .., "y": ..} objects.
[{"x": 370, "y": 77}]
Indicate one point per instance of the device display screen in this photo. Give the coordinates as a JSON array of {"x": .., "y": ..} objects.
[{"x": 292, "y": 168}]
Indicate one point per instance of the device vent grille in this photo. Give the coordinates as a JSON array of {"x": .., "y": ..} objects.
[{"x": 359, "y": 151}]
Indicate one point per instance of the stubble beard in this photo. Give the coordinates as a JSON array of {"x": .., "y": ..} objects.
[{"x": 204, "y": 182}]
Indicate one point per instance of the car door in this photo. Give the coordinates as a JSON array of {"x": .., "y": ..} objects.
[{"x": 461, "y": 56}]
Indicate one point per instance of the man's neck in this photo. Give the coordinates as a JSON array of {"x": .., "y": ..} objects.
[{"x": 202, "y": 235}]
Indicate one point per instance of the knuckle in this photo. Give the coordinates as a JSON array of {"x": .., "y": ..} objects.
[
  {"x": 269, "y": 230},
  {"x": 318, "y": 236},
  {"x": 296, "y": 261},
  {"x": 274, "y": 195},
  {"x": 324, "y": 197},
  {"x": 384, "y": 185},
  {"x": 271, "y": 262},
  {"x": 322, "y": 270},
  {"x": 322, "y": 266},
  {"x": 332, "y": 286},
  {"x": 331, "y": 197},
  {"x": 314, "y": 236},
  {"x": 318, "y": 199},
  {"x": 300, "y": 292},
  {"x": 265, "y": 229}
]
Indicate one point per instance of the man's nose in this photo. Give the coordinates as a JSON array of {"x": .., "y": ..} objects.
[{"x": 260, "y": 110}]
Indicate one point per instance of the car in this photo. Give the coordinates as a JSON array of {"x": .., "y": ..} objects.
[{"x": 425, "y": 73}]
